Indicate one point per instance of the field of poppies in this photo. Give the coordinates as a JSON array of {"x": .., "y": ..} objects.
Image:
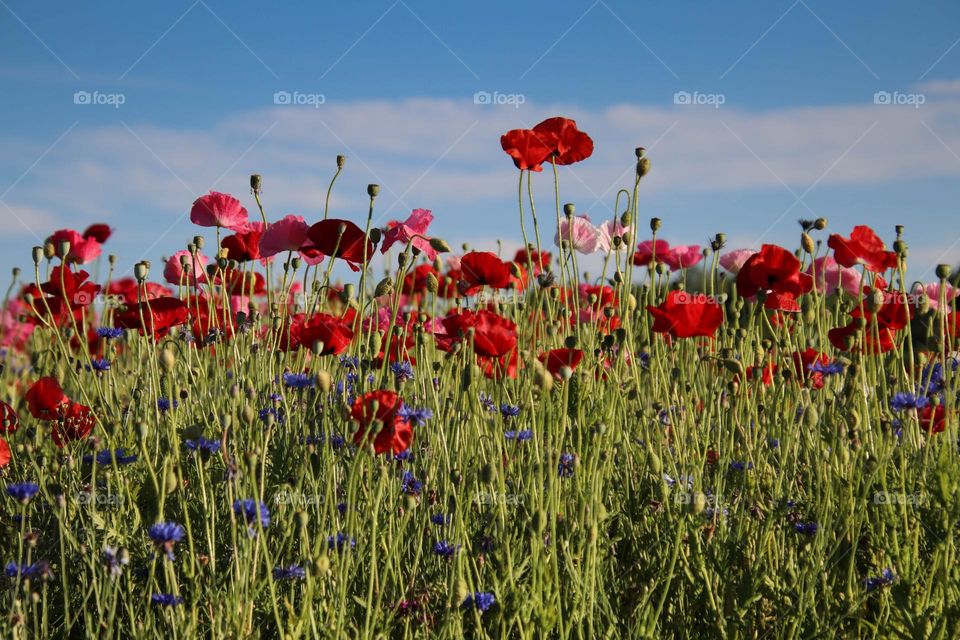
[{"x": 688, "y": 441}]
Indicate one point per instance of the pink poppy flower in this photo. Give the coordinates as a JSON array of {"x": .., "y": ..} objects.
[
  {"x": 404, "y": 231},
  {"x": 174, "y": 274},
  {"x": 289, "y": 233},
  {"x": 607, "y": 231},
  {"x": 82, "y": 250},
  {"x": 831, "y": 276},
  {"x": 683, "y": 256},
  {"x": 580, "y": 233},
  {"x": 647, "y": 252},
  {"x": 933, "y": 293},
  {"x": 218, "y": 210},
  {"x": 13, "y": 332},
  {"x": 733, "y": 260}
]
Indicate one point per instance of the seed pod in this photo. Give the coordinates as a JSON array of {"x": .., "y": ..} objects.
[{"x": 698, "y": 504}]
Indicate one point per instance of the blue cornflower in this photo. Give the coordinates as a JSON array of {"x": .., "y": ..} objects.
[
  {"x": 350, "y": 362},
  {"x": 440, "y": 519},
  {"x": 340, "y": 542},
  {"x": 342, "y": 508},
  {"x": 903, "y": 401},
  {"x": 299, "y": 380},
  {"x": 416, "y": 417},
  {"x": 519, "y": 436},
  {"x": 166, "y": 600},
  {"x": 165, "y": 535},
  {"x": 806, "y": 528},
  {"x": 114, "y": 560},
  {"x": 23, "y": 492},
  {"x": 204, "y": 445},
  {"x": 481, "y": 600},
  {"x": 739, "y": 465},
  {"x": 773, "y": 442},
  {"x": 828, "y": 369},
  {"x": 277, "y": 414},
  {"x": 164, "y": 404},
  {"x": 109, "y": 333},
  {"x": 567, "y": 461},
  {"x": 337, "y": 441},
  {"x": 684, "y": 480},
  {"x": 445, "y": 549},
  {"x": 932, "y": 378},
  {"x": 106, "y": 457},
  {"x": 487, "y": 402},
  {"x": 409, "y": 484},
  {"x": 403, "y": 456},
  {"x": 886, "y": 578},
  {"x": 402, "y": 371},
  {"x": 292, "y": 572},
  {"x": 252, "y": 512},
  {"x": 98, "y": 364},
  {"x": 39, "y": 569},
  {"x": 509, "y": 411}
]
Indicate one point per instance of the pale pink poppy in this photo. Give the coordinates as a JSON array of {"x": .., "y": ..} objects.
[
  {"x": 218, "y": 210},
  {"x": 174, "y": 274},
  {"x": 579, "y": 233},
  {"x": 240, "y": 304},
  {"x": 14, "y": 333},
  {"x": 82, "y": 250},
  {"x": 404, "y": 232},
  {"x": 452, "y": 262},
  {"x": 933, "y": 293},
  {"x": 647, "y": 252},
  {"x": 831, "y": 276},
  {"x": 683, "y": 256},
  {"x": 733, "y": 261},
  {"x": 286, "y": 234},
  {"x": 608, "y": 231}
]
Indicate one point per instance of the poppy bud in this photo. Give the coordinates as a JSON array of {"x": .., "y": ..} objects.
[
  {"x": 820, "y": 224},
  {"x": 698, "y": 503},
  {"x": 655, "y": 224},
  {"x": 943, "y": 271},
  {"x": 874, "y": 301},
  {"x": 806, "y": 242},
  {"x": 543, "y": 380},
  {"x": 373, "y": 190},
  {"x": 168, "y": 360},
  {"x": 626, "y": 219},
  {"x": 256, "y": 182},
  {"x": 618, "y": 276},
  {"x": 439, "y": 245},
  {"x": 626, "y": 237},
  {"x": 384, "y": 288},
  {"x": 375, "y": 235},
  {"x": 643, "y": 167},
  {"x": 341, "y": 160},
  {"x": 568, "y": 209},
  {"x": 901, "y": 248},
  {"x": 321, "y": 566},
  {"x": 515, "y": 270},
  {"x": 433, "y": 285},
  {"x": 37, "y": 255}
]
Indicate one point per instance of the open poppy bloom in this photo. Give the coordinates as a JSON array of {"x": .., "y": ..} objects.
[
  {"x": 494, "y": 336},
  {"x": 45, "y": 397},
  {"x": 126, "y": 290},
  {"x": 244, "y": 245},
  {"x": 933, "y": 419},
  {"x": 774, "y": 272},
  {"x": 862, "y": 247},
  {"x": 483, "y": 268},
  {"x": 831, "y": 277},
  {"x": 194, "y": 273},
  {"x": 218, "y": 210},
  {"x": 394, "y": 434},
  {"x": 332, "y": 333},
  {"x": 5, "y": 456},
  {"x": 83, "y": 249},
  {"x": 804, "y": 360},
  {"x": 556, "y": 359},
  {"x": 67, "y": 293},
  {"x": 579, "y": 234},
  {"x": 890, "y": 318},
  {"x": 686, "y": 315},
  {"x": 404, "y": 232},
  {"x": 734, "y": 260},
  {"x": 566, "y": 142},
  {"x": 649, "y": 252},
  {"x": 9, "y": 420},
  {"x": 539, "y": 259},
  {"x": 683, "y": 256},
  {"x": 158, "y": 316},
  {"x": 99, "y": 232},
  {"x": 528, "y": 150},
  {"x": 341, "y": 239}
]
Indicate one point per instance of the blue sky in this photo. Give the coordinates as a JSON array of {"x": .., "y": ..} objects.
[{"x": 798, "y": 134}]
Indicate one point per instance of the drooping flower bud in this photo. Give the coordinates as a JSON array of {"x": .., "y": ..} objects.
[{"x": 439, "y": 245}]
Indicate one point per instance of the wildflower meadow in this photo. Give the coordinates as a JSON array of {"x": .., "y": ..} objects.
[{"x": 325, "y": 427}]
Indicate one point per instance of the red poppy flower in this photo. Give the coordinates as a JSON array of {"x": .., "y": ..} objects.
[
  {"x": 335, "y": 333},
  {"x": 45, "y": 397},
  {"x": 159, "y": 316},
  {"x": 244, "y": 245},
  {"x": 9, "y": 420},
  {"x": 498, "y": 368},
  {"x": 125, "y": 290},
  {"x": 539, "y": 259},
  {"x": 494, "y": 336},
  {"x": 567, "y": 143},
  {"x": 4, "y": 453},
  {"x": 479, "y": 268},
  {"x": 862, "y": 247},
  {"x": 341, "y": 239},
  {"x": 74, "y": 422},
  {"x": 555, "y": 359},
  {"x": 99, "y": 232},
  {"x": 82, "y": 249},
  {"x": 933, "y": 419},
  {"x": 218, "y": 210},
  {"x": 765, "y": 373},
  {"x": 774, "y": 272},
  {"x": 416, "y": 280},
  {"x": 649, "y": 252},
  {"x": 67, "y": 293},
  {"x": 395, "y": 433},
  {"x": 528, "y": 150},
  {"x": 686, "y": 315}
]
